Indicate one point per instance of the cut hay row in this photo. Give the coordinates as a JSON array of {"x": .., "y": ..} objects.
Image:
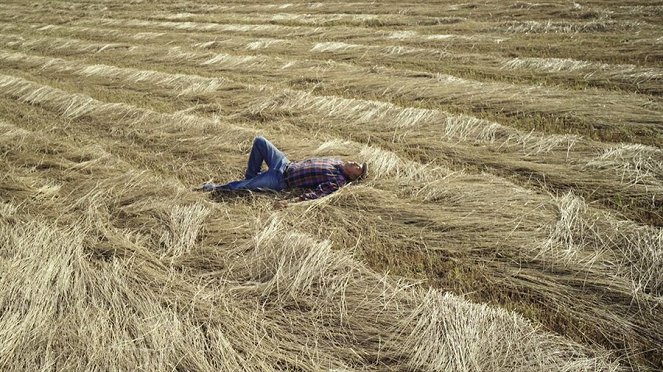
[
  {"x": 631, "y": 77},
  {"x": 626, "y": 109},
  {"x": 544, "y": 27},
  {"x": 442, "y": 346},
  {"x": 642, "y": 9},
  {"x": 455, "y": 128},
  {"x": 71, "y": 46},
  {"x": 266, "y": 29},
  {"x": 589, "y": 70},
  {"x": 360, "y": 112},
  {"x": 293, "y": 19},
  {"x": 184, "y": 84},
  {"x": 253, "y": 45},
  {"x": 77, "y": 46},
  {"x": 484, "y": 10},
  {"x": 284, "y": 17},
  {"x": 600, "y": 23},
  {"x": 582, "y": 236},
  {"x": 74, "y": 105},
  {"x": 354, "y": 111},
  {"x": 635, "y": 163},
  {"x": 292, "y": 31}
]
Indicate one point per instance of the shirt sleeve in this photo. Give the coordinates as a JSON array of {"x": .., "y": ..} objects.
[{"x": 322, "y": 190}]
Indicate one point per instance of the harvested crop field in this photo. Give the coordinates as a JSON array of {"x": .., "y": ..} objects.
[{"x": 512, "y": 218}]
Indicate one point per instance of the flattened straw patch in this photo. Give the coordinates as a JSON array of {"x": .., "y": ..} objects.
[
  {"x": 184, "y": 226},
  {"x": 355, "y": 110},
  {"x": 228, "y": 60},
  {"x": 452, "y": 334},
  {"x": 546, "y": 64},
  {"x": 534, "y": 144},
  {"x": 636, "y": 163},
  {"x": 263, "y": 43},
  {"x": 10, "y": 130},
  {"x": 147, "y": 35},
  {"x": 188, "y": 84},
  {"x": 465, "y": 128},
  {"x": 590, "y": 69},
  {"x": 572, "y": 233},
  {"x": 337, "y": 147},
  {"x": 402, "y": 34},
  {"x": 333, "y": 47},
  {"x": 382, "y": 163}
]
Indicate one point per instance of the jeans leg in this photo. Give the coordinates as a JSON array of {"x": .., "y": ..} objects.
[
  {"x": 263, "y": 150},
  {"x": 271, "y": 179}
]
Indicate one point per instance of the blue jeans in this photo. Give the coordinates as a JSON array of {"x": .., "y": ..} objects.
[{"x": 271, "y": 179}]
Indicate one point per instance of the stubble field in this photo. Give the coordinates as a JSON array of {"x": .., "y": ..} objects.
[{"x": 512, "y": 219}]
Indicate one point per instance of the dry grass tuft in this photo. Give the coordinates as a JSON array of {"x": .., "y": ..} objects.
[
  {"x": 263, "y": 43},
  {"x": 332, "y": 47},
  {"x": 582, "y": 236},
  {"x": 185, "y": 225},
  {"x": 635, "y": 163},
  {"x": 451, "y": 334}
]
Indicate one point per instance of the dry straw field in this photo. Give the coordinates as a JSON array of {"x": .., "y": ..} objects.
[{"x": 512, "y": 219}]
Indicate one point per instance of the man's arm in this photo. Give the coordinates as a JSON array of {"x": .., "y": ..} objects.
[{"x": 323, "y": 189}]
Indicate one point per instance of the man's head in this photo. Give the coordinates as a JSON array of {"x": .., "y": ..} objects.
[{"x": 355, "y": 171}]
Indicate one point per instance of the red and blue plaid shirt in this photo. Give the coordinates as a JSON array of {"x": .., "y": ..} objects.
[{"x": 320, "y": 175}]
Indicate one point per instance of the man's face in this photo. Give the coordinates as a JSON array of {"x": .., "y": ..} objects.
[{"x": 352, "y": 170}]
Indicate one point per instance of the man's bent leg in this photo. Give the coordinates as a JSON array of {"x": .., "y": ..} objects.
[{"x": 263, "y": 150}]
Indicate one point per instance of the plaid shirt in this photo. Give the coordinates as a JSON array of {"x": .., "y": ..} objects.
[{"x": 320, "y": 175}]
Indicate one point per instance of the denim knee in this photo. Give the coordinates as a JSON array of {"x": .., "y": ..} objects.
[{"x": 259, "y": 140}]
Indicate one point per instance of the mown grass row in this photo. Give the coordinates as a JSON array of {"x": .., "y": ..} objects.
[
  {"x": 633, "y": 118},
  {"x": 455, "y": 127},
  {"x": 607, "y": 40},
  {"x": 552, "y": 71},
  {"x": 442, "y": 85}
]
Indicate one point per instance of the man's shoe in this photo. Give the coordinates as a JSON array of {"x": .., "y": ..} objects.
[{"x": 209, "y": 187}]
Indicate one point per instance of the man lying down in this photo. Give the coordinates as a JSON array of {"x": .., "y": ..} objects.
[{"x": 319, "y": 176}]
